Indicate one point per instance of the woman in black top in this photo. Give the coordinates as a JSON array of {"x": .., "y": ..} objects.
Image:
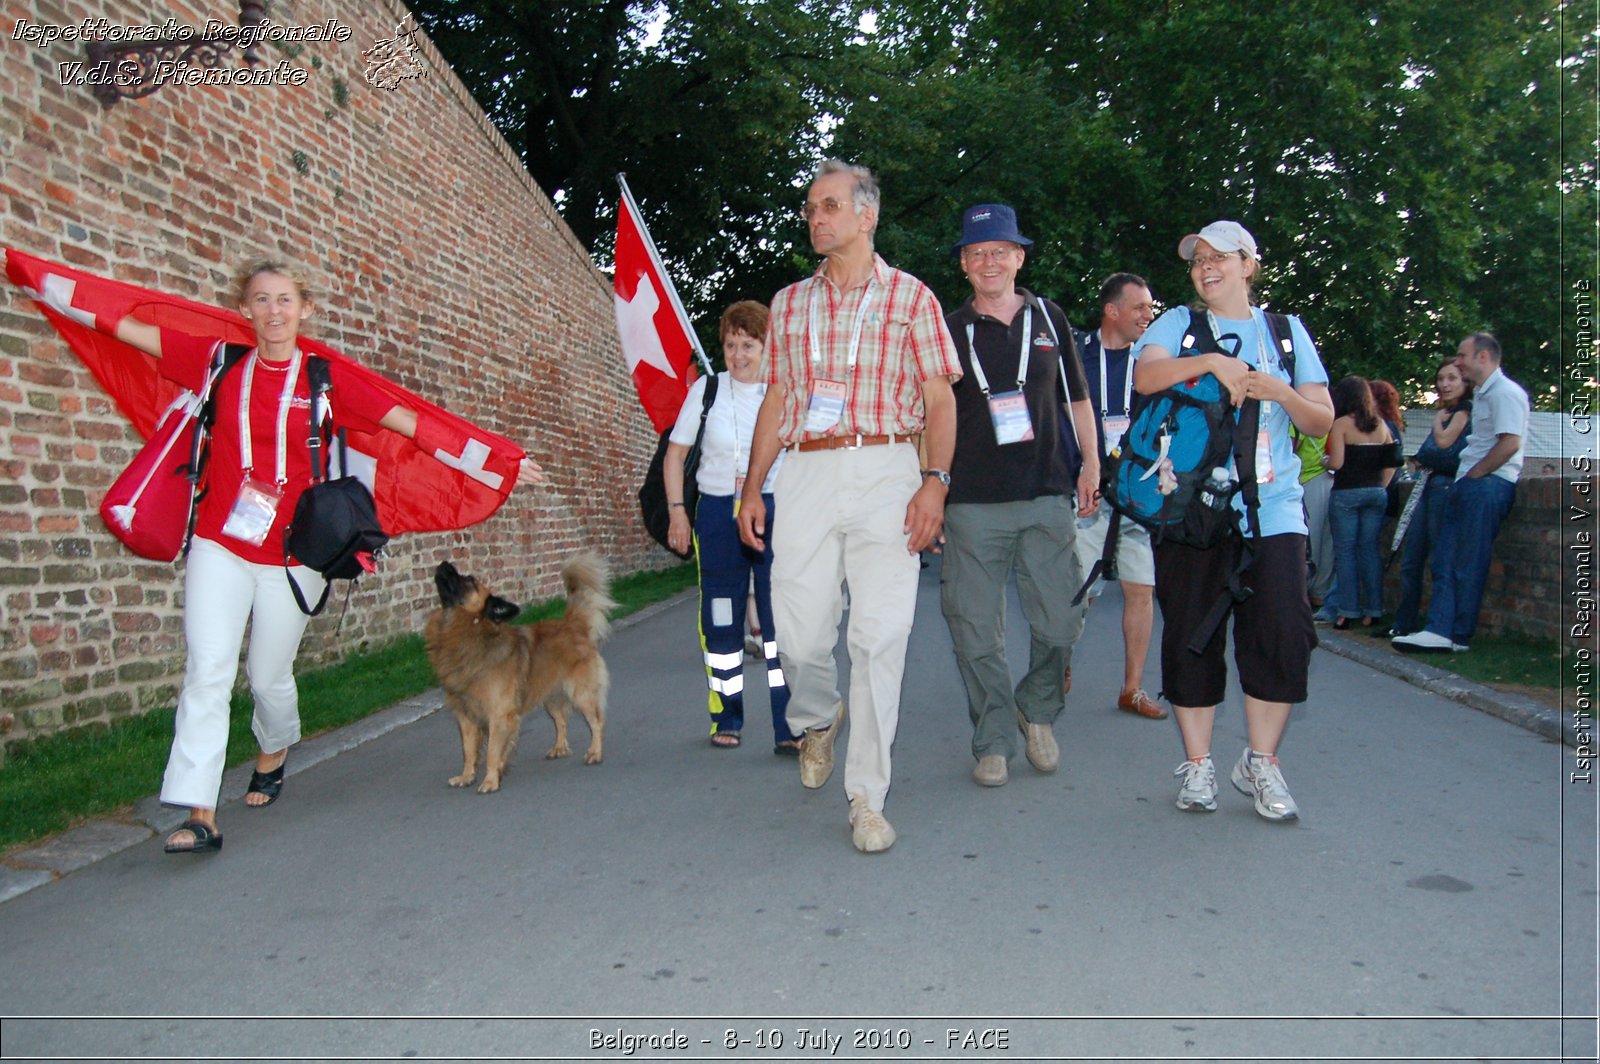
[{"x": 1363, "y": 456}]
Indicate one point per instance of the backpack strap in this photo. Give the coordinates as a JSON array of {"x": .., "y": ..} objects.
[
  {"x": 1245, "y": 441},
  {"x": 321, "y": 430},
  {"x": 223, "y": 358},
  {"x": 321, "y": 424}
]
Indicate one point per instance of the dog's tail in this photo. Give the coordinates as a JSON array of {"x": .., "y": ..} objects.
[{"x": 589, "y": 593}]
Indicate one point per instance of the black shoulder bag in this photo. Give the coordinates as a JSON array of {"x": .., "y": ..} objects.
[
  {"x": 335, "y": 528},
  {"x": 653, "y": 502}
]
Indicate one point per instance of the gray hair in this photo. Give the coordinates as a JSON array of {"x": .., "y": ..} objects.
[{"x": 864, "y": 193}]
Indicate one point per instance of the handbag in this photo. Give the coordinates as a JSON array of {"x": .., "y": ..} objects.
[
  {"x": 150, "y": 506},
  {"x": 335, "y": 529},
  {"x": 653, "y": 508}
]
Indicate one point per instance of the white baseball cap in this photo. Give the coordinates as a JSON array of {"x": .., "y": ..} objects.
[{"x": 1222, "y": 235}]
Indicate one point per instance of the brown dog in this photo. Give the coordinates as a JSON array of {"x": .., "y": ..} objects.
[{"x": 493, "y": 672}]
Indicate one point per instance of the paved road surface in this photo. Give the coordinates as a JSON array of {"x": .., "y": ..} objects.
[{"x": 1436, "y": 901}]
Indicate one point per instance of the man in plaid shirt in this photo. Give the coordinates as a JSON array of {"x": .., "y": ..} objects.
[{"x": 860, "y": 367}]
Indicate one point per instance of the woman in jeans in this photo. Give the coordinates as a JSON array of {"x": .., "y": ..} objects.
[
  {"x": 1363, "y": 455},
  {"x": 1439, "y": 457}
]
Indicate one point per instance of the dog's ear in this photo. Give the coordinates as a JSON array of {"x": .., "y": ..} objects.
[
  {"x": 449, "y": 583},
  {"x": 499, "y": 609}
]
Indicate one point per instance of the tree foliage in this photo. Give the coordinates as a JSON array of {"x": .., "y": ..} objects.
[{"x": 1402, "y": 162}]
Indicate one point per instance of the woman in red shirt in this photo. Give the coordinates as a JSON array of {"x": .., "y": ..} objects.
[{"x": 259, "y": 464}]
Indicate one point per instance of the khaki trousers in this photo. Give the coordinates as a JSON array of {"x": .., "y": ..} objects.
[{"x": 841, "y": 521}]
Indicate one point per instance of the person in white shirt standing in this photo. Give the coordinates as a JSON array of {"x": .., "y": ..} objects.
[
  {"x": 726, "y": 564},
  {"x": 1485, "y": 488}
]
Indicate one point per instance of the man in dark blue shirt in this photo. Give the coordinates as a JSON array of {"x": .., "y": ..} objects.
[{"x": 1126, "y": 311}]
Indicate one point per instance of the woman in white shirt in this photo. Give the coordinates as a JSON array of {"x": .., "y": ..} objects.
[{"x": 726, "y": 564}]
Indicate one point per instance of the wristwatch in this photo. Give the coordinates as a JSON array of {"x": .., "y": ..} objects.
[{"x": 938, "y": 474}]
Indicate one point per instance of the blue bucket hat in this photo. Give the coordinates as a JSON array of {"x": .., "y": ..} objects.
[{"x": 989, "y": 221}]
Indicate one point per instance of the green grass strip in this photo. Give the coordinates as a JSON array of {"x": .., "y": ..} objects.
[
  {"x": 51, "y": 783},
  {"x": 1506, "y": 659}
]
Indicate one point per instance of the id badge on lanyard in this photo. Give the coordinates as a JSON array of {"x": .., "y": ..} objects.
[
  {"x": 255, "y": 508},
  {"x": 1008, "y": 411},
  {"x": 253, "y": 512},
  {"x": 1264, "y": 473},
  {"x": 825, "y": 404},
  {"x": 1115, "y": 428}
]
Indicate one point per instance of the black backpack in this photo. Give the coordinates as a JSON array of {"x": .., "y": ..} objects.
[{"x": 653, "y": 508}]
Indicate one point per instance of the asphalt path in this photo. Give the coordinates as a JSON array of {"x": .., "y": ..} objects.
[{"x": 677, "y": 902}]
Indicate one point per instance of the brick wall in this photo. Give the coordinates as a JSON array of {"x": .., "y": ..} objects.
[
  {"x": 1539, "y": 579},
  {"x": 438, "y": 262}
]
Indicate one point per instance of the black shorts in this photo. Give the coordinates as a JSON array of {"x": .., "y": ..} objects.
[{"x": 1273, "y": 633}]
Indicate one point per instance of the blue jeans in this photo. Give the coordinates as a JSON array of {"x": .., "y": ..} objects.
[
  {"x": 1356, "y": 516},
  {"x": 1466, "y": 546},
  {"x": 1422, "y": 537}
]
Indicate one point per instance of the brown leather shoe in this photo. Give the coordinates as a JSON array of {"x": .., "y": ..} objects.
[{"x": 1139, "y": 702}]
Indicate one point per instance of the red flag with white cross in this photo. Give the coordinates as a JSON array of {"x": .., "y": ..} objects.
[
  {"x": 657, "y": 342},
  {"x": 453, "y": 474}
]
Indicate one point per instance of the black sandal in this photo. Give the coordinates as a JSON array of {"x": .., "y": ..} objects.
[
  {"x": 267, "y": 783},
  {"x": 206, "y": 838}
]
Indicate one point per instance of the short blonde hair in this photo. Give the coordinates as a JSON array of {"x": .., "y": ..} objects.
[{"x": 256, "y": 267}]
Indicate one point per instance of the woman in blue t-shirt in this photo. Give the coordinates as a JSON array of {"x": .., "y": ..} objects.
[
  {"x": 1439, "y": 457},
  {"x": 1272, "y": 629}
]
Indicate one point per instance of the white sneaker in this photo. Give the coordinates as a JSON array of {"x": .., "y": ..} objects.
[
  {"x": 1261, "y": 778},
  {"x": 1199, "y": 790},
  {"x": 870, "y": 832},
  {"x": 1423, "y": 642}
]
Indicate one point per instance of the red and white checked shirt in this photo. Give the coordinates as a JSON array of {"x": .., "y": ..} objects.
[{"x": 904, "y": 342}]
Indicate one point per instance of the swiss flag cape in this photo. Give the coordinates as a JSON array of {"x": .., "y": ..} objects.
[
  {"x": 656, "y": 339},
  {"x": 452, "y": 475}
]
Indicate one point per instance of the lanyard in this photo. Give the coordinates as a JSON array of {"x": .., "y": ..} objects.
[
  {"x": 1127, "y": 387},
  {"x": 1022, "y": 359},
  {"x": 1261, "y": 338},
  {"x": 246, "y": 451},
  {"x": 855, "y": 333}
]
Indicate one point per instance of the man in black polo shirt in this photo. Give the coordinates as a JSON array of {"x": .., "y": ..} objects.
[{"x": 1013, "y": 496}]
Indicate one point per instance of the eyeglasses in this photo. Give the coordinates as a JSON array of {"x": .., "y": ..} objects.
[
  {"x": 987, "y": 254},
  {"x": 829, "y": 207},
  {"x": 1201, "y": 261}
]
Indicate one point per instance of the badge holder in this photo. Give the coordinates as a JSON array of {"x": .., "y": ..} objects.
[
  {"x": 253, "y": 512},
  {"x": 1009, "y": 413}
]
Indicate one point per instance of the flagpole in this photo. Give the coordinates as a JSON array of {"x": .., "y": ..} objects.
[{"x": 666, "y": 278}]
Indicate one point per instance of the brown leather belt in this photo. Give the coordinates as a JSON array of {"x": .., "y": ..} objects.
[{"x": 852, "y": 441}]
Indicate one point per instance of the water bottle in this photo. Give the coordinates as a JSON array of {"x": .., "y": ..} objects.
[{"x": 1214, "y": 492}]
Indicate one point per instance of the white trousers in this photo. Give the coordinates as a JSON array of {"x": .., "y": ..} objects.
[
  {"x": 221, "y": 593},
  {"x": 841, "y": 520}
]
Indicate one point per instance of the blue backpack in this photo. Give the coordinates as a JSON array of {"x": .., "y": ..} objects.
[{"x": 1161, "y": 473}]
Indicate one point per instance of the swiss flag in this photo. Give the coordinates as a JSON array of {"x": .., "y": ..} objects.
[
  {"x": 453, "y": 474},
  {"x": 657, "y": 342}
]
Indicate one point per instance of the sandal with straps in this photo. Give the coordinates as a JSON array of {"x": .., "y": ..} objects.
[
  {"x": 267, "y": 783},
  {"x": 207, "y": 839}
]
